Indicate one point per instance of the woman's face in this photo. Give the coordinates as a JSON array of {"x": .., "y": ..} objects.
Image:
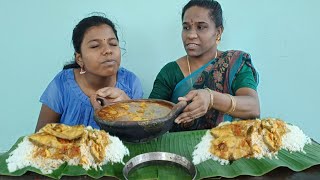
[
  {"x": 199, "y": 32},
  {"x": 100, "y": 51}
]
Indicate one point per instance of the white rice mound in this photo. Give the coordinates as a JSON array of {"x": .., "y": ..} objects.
[
  {"x": 22, "y": 157},
  {"x": 115, "y": 151},
  {"x": 293, "y": 141}
]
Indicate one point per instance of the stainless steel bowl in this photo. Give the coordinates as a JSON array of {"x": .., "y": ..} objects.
[{"x": 159, "y": 158}]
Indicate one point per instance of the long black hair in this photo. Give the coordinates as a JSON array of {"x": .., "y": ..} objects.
[{"x": 81, "y": 28}]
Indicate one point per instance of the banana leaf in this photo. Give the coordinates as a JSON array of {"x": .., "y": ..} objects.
[{"x": 182, "y": 143}]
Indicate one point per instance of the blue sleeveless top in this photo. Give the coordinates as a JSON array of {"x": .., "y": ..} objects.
[{"x": 64, "y": 96}]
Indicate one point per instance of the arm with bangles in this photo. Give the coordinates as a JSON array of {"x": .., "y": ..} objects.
[{"x": 244, "y": 105}]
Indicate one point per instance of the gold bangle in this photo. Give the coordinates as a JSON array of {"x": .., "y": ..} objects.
[
  {"x": 233, "y": 104},
  {"x": 211, "y": 98}
]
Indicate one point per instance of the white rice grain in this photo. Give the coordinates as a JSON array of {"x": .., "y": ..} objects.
[
  {"x": 294, "y": 139},
  {"x": 22, "y": 157},
  {"x": 116, "y": 151},
  {"x": 18, "y": 158}
]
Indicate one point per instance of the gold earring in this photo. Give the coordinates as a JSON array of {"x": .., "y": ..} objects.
[
  {"x": 218, "y": 40},
  {"x": 82, "y": 71}
]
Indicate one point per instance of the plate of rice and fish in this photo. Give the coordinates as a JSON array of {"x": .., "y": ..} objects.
[
  {"x": 231, "y": 141},
  {"x": 58, "y": 145},
  {"x": 246, "y": 143}
]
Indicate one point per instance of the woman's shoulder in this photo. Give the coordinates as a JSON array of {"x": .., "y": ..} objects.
[
  {"x": 170, "y": 67},
  {"x": 235, "y": 54},
  {"x": 126, "y": 77},
  {"x": 129, "y": 83},
  {"x": 64, "y": 74},
  {"x": 125, "y": 73},
  {"x": 60, "y": 90},
  {"x": 65, "y": 81},
  {"x": 171, "y": 70}
]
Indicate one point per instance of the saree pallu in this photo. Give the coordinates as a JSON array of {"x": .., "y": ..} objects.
[{"x": 218, "y": 75}]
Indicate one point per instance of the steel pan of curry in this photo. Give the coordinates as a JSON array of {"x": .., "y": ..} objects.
[{"x": 136, "y": 120}]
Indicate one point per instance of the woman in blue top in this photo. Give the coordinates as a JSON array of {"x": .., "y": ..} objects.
[{"x": 94, "y": 71}]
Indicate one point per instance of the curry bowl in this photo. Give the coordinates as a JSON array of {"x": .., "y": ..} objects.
[{"x": 136, "y": 120}]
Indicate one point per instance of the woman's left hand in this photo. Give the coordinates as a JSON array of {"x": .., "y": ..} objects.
[
  {"x": 112, "y": 94},
  {"x": 200, "y": 101}
]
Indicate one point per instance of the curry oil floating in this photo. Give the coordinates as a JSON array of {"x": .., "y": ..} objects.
[
  {"x": 249, "y": 139},
  {"x": 133, "y": 111}
]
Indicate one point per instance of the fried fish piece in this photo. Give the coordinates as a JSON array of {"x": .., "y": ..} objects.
[
  {"x": 45, "y": 139},
  {"x": 220, "y": 131},
  {"x": 64, "y": 131}
]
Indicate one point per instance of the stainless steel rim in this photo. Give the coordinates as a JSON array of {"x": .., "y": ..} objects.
[{"x": 158, "y": 158}]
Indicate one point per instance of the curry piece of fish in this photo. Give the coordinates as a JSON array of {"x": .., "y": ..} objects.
[
  {"x": 274, "y": 126},
  {"x": 236, "y": 128},
  {"x": 56, "y": 153},
  {"x": 234, "y": 140},
  {"x": 98, "y": 140},
  {"x": 230, "y": 147},
  {"x": 63, "y": 131},
  {"x": 231, "y": 140},
  {"x": 272, "y": 132}
]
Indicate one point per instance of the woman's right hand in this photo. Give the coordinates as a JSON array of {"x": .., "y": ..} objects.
[
  {"x": 112, "y": 94},
  {"x": 200, "y": 102}
]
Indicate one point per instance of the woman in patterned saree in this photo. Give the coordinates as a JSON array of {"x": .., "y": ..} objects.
[{"x": 219, "y": 85}]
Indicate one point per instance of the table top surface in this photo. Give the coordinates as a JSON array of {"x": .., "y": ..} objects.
[{"x": 279, "y": 173}]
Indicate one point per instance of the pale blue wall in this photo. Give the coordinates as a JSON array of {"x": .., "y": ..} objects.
[{"x": 282, "y": 37}]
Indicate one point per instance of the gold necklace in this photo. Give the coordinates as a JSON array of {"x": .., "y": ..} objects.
[{"x": 189, "y": 68}]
